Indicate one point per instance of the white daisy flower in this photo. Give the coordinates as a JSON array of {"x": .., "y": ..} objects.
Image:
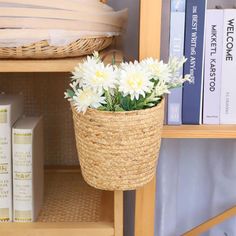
[
  {"x": 87, "y": 98},
  {"x": 134, "y": 80},
  {"x": 81, "y": 68},
  {"x": 124, "y": 65},
  {"x": 158, "y": 69},
  {"x": 100, "y": 77}
]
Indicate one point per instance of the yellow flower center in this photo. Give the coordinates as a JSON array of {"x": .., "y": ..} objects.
[
  {"x": 131, "y": 82},
  {"x": 135, "y": 81},
  {"x": 85, "y": 95},
  {"x": 101, "y": 75},
  {"x": 140, "y": 83}
]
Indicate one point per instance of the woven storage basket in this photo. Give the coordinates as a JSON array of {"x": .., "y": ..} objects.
[
  {"x": 42, "y": 50},
  {"x": 118, "y": 150}
]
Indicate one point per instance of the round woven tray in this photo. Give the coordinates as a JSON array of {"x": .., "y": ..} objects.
[
  {"x": 42, "y": 50},
  {"x": 118, "y": 150}
]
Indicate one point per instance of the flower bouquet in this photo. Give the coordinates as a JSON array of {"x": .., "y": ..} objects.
[{"x": 118, "y": 114}]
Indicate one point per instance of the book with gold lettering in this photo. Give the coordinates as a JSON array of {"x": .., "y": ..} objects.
[
  {"x": 11, "y": 108},
  {"x": 28, "y": 158}
]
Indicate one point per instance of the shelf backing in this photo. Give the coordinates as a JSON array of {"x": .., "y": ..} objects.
[
  {"x": 44, "y": 95},
  {"x": 69, "y": 199}
]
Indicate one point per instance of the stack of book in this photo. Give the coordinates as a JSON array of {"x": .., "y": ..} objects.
[
  {"x": 206, "y": 38},
  {"x": 21, "y": 162}
]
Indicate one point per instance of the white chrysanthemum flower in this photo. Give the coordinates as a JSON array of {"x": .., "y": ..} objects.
[
  {"x": 81, "y": 68},
  {"x": 124, "y": 65},
  {"x": 134, "y": 80},
  {"x": 87, "y": 98},
  {"x": 100, "y": 77},
  {"x": 158, "y": 69},
  {"x": 161, "y": 88}
]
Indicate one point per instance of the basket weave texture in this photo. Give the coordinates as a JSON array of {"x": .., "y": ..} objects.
[
  {"x": 42, "y": 50},
  {"x": 69, "y": 199},
  {"x": 118, "y": 150}
]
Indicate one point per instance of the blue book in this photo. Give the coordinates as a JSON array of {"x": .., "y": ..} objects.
[
  {"x": 177, "y": 27},
  {"x": 194, "y": 52}
]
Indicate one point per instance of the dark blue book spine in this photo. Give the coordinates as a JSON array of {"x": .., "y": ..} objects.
[{"x": 194, "y": 52}]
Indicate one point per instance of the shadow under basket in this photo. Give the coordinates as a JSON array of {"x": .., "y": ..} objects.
[
  {"x": 42, "y": 49},
  {"x": 118, "y": 150}
]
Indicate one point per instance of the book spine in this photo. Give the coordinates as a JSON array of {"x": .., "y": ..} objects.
[
  {"x": 177, "y": 27},
  {"x": 22, "y": 176},
  {"x": 194, "y": 48},
  {"x": 228, "y": 85},
  {"x": 5, "y": 165},
  {"x": 213, "y": 66}
]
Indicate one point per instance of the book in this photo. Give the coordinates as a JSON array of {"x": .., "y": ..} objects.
[
  {"x": 165, "y": 35},
  {"x": 165, "y": 41},
  {"x": 213, "y": 66},
  {"x": 228, "y": 85},
  {"x": 194, "y": 48},
  {"x": 11, "y": 108},
  {"x": 177, "y": 27},
  {"x": 28, "y": 174}
]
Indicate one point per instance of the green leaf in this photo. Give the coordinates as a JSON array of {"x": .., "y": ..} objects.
[
  {"x": 109, "y": 101},
  {"x": 70, "y": 93},
  {"x": 102, "y": 108},
  {"x": 118, "y": 108},
  {"x": 124, "y": 103}
]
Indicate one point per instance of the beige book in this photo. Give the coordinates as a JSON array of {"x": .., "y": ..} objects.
[
  {"x": 11, "y": 108},
  {"x": 28, "y": 159}
]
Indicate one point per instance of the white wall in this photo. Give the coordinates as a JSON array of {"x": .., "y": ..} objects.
[{"x": 131, "y": 36}]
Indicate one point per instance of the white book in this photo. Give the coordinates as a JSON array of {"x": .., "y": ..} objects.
[
  {"x": 177, "y": 28},
  {"x": 11, "y": 108},
  {"x": 213, "y": 66},
  {"x": 228, "y": 84},
  {"x": 28, "y": 159}
]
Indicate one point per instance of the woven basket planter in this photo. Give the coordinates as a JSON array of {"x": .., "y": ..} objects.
[
  {"x": 42, "y": 50},
  {"x": 118, "y": 150}
]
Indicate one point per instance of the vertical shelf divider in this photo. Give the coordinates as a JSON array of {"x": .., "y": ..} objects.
[{"x": 150, "y": 39}]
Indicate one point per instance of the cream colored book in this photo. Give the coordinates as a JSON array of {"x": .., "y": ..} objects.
[
  {"x": 11, "y": 108},
  {"x": 28, "y": 158}
]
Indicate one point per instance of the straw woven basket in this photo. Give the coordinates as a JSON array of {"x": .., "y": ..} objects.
[
  {"x": 42, "y": 50},
  {"x": 118, "y": 150}
]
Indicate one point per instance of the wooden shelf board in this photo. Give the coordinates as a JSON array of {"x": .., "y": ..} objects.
[
  {"x": 200, "y": 131},
  {"x": 57, "y": 229},
  {"x": 71, "y": 207},
  {"x": 50, "y": 65}
]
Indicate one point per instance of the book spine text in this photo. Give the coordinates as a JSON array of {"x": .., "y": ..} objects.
[{"x": 22, "y": 176}]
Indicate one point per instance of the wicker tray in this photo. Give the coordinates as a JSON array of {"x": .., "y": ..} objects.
[{"x": 42, "y": 50}]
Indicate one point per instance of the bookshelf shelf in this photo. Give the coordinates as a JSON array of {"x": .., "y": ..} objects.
[
  {"x": 50, "y": 65},
  {"x": 200, "y": 131},
  {"x": 71, "y": 207}
]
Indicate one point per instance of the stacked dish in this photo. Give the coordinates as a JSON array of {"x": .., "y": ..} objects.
[{"x": 57, "y": 28}]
